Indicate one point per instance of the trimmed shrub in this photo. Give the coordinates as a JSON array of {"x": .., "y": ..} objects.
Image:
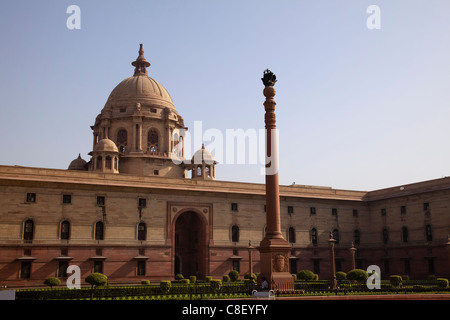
[
  {"x": 192, "y": 279},
  {"x": 145, "y": 282},
  {"x": 216, "y": 285},
  {"x": 405, "y": 278},
  {"x": 234, "y": 275},
  {"x": 179, "y": 277},
  {"x": 226, "y": 278},
  {"x": 340, "y": 275},
  {"x": 432, "y": 277},
  {"x": 96, "y": 279},
  {"x": 52, "y": 281},
  {"x": 185, "y": 281},
  {"x": 395, "y": 280},
  {"x": 247, "y": 276},
  {"x": 306, "y": 275},
  {"x": 357, "y": 275},
  {"x": 442, "y": 282},
  {"x": 165, "y": 286},
  {"x": 208, "y": 279}
]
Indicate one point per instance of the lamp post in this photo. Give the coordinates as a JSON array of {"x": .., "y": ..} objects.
[
  {"x": 448, "y": 249},
  {"x": 353, "y": 251},
  {"x": 250, "y": 260},
  {"x": 331, "y": 243}
]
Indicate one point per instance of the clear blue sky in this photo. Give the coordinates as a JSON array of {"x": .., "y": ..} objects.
[{"x": 357, "y": 109}]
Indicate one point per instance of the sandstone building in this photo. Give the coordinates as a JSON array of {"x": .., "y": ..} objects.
[{"x": 131, "y": 213}]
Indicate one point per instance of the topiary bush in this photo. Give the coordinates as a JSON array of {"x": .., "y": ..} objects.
[
  {"x": 52, "y": 281},
  {"x": 357, "y": 275},
  {"x": 165, "y": 286},
  {"x": 192, "y": 279},
  {"x": 216, "y": 285},
  {"x": 442, "y": 282},
  {"x": 179, "y": 277},
  {"x": 208, "y": 279},
  {"x": 145, "y": 282},
  {"x": 234, "y": 275},
  {"x": 306, "y": 275},
  {"x": 226, "y": 278},
  {"x": 97, "y": 279},
  {"x": 395, "y": 280},
  {"x": 185, "y": 281},
  {"x": 340, "y": 275}
]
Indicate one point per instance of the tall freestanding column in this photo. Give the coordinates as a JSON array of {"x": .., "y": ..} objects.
[{"x": 274, "y": 249}]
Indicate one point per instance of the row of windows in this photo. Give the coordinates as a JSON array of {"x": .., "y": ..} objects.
[
  {"x": 100, "y": 200},
  {"x": 99, "y": 230},
  {"x": 334, "y": 211},
  {"x": 142, "y": 203}
]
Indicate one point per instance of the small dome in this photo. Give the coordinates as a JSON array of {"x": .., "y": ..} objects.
[
  {"x": 78, "y": 164},
  {"x": 203, "y": 155},
  {"x": 106, "y": 145}
]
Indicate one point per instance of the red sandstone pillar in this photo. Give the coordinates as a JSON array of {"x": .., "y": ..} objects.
[{"x": 274, "y": 249}]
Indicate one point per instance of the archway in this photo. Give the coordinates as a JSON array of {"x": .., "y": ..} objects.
[{"x": 191, "y": 246}]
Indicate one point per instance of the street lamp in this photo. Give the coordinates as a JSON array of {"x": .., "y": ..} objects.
[
  {"x": 353, "y": 251},
  {"x": 250, "y": 260},
  {"x": 331, "y": 243}
]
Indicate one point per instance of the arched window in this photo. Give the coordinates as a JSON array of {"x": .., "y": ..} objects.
[
  {"x": 142, "y": 231},
  {"x": 428, "y": 233},
  {"x": 99, "y": 162},
  {"x": 99, "y": 231},
  {"x": 235, "y": 233},
  {"x": 314, "y": 236},
  {"x": 207, "y": 173},
  {"x": 65, "y": 230},
  {"x": 291, "y": 235},
  {"x": 153, "y": 141},
  {"x": 356, "y": 237},
  {"x": 199, "y": 171},
  {"x": 28, "y": 230},
  {"x": 385, "y": 236},
  {"x": 108, "y": 162},
  {"x": 122, "y": 140},
  {"x": 336, "y": 235},
  {"x": 405, "y": 234}
]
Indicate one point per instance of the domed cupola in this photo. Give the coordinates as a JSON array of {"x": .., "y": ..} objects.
[
  {"x": 105, "y": 157},
  {"x": 78, "y": 164},
  {"x": 203, "y": 165}
]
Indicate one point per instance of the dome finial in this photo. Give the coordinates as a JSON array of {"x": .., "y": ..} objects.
[{"x": 140, "y": 64}]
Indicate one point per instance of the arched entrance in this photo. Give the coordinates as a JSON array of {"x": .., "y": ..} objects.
[{"x": 191, "y": 246}]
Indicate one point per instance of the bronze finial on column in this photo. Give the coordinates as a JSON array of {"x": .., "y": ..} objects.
[{"x": 274, "y": 249}]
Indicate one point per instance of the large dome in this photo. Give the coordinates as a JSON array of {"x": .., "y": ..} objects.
[{"x": 140, "y": 88}]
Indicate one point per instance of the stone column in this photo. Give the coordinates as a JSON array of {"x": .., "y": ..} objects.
[{"x": 274, "y": 249}]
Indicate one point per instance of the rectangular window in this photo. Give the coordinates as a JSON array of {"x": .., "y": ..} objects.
[
  {"x": 234, "y": 207},
  {"x": 62, "y": 269},
  {"x": 355, "y": 212},
  {"x": 334, "y": 212},
  {"x": 403, "y": 209},
  {"x": 431, "y": 269},
  {"x": 387, "y": 267},
  {"x": 312, "y": 210},
  {"x": 156, "y": 172},
  {"x": 426, "y": 206},
  {"x": 98, "y": 266},
  {"x": 141, "y": 268},
  {"x": 100, "y": 200},
  {"x": 25, "y": 270},
  {"x": 236, "y": 265},
  {"x": 316, "y": 266},
  {"x": 67, "y": 199},
  {"x": 290, "y": 209},
  {"x": 31, "y": 197},
  {"x": 407, "y": 267},
  {"x": 142, "y": 202},
  {"x": 383, "y": 212}
]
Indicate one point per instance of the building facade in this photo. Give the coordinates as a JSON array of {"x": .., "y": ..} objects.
[{"x": 133, "y": 213}]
